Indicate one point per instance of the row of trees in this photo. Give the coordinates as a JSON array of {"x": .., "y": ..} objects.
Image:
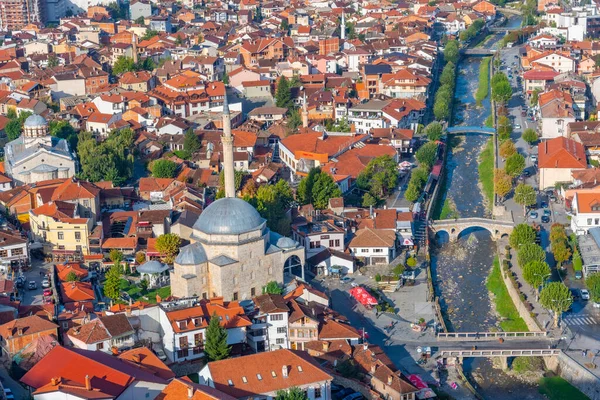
[
  {"x": 501, "y": 88},
  {"x": 426, "y": 157},
  {"x": 127, "y": 64},
  {"x": 445, "y": 93},
  {"x": 559, "y": 243},
  {"x": 472, "y": 30}
]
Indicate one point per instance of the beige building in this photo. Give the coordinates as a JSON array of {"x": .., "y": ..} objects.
[
  {"x": 234, "y": 254},
  {"x": 58, "y": 227}
]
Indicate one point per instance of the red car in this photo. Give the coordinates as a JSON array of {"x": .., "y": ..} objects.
[{"x": 48, "y": 292}]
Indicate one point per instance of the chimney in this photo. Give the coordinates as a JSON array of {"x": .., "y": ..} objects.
[
  {"x": 390, "y": 379},
  {"x": 88, "y": 383},
  {"x": 190, "y": 392},
  {"x": 20, "y": 331},
  {"x": 373, "y": 368},
  {"x": 55, "y": 381},
  {"x": 325, "y": 347},
  {"x": 284, "y": 371}
]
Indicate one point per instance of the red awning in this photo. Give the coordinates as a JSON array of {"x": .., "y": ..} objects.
[{"x": 363, "y": 296}]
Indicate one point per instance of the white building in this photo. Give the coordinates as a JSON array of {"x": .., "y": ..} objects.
[
  {"x": 12, "y": 248},
  {"x": 269, "y": 330},
  {"x": 585, "y": 212},
  {"x": 375, "y": 246},
  {"x": 103, "y": 334}
]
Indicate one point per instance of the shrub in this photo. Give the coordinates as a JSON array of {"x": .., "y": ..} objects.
[
  {"x": 411, "y": 262},
  {"x": 378, "y": 278}
]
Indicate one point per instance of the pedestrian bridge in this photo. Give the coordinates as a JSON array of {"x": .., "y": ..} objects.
[
  {"x": 454, "y": 227},
  {"x": 484, "y": 130},
  {"x": 478, "y": 51},
  {"x": 488, "y": 336}
]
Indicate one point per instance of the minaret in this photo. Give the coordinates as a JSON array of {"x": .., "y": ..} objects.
[
  {"x": 304, "y": 112},
  {"x": 227, "y": 140},
  {"x": 343, "y": 27}
]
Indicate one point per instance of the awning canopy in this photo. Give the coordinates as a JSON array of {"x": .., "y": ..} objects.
[{"x": 363, "y": 297}]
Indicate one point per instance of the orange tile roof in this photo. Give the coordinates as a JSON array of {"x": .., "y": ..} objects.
[
  {"x": 120, "y": 243},
  {"x": 587, "y": 201},
  {"x": 29, "y": 325},
  {"x": 63, "y": 270},
  {"x": 263, "y": 373},
  {"x": 561, "y": 152},
  {"x": 179, "y": 389},
  {"x": 143, "y": 357},
  {"x": 77, "y": 291},
  {"x": 312, "y": 142}
]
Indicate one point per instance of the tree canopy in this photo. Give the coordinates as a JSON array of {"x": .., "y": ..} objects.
[
  {"x": 109, "y": 160},
  {"x": 164, "y": 168},
  {"x": 530, "y": 136},
  {"x": 515, "y": 165},
  {"x": 501, "y": 88},
  {"x": 272, "y": 288},
  {"x": 535, "y": 273},
  {"x": 507, "y": 149},
  {"x": 292, "y": 393},
  {"x": 111, "y": 284},
  {"x": 168, "y": 244},
  {"x": 380, "y": 177},
  {"x": 216, "y": 347},
  {"x": 273, "y": 202},
  {"x": 522, "y": 234},
  {"x": 593, "y": 284},
  {"x": 556, "y": 297},
  {"x": 434, "y": 131},
  {"x": 427, "y": 155},
  {"x": 317, "y": 188},
  {"x": 525, "y": 195},
  {"x": 283, "y": 94},
  {"x": 451, "y": 51},
  {"x": 530, "y": 252},
  {"x": 502, "y": 183}
]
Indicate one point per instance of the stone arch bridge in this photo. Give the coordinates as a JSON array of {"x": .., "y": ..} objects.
[{"x": 454, "y": 227}]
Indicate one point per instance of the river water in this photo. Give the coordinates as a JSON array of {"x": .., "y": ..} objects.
[{"x": 460, "y": 269}]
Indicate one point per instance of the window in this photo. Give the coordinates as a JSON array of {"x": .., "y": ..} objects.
[
  {"x": 377, "y": 250},
  {"x": 337, "y": 242},
  {"x": 276, "y": 317},
  {"x": 86, "y": 203},
  {"x": 77, "y": 235},
  {"x": 331, "y": 243},
  {"x": 183, "y": 342},
  {"x": 589, "y": 221},
  {"x": 279, "y": 341},
  {"x": 3, "y": 253},
  {"x": 99, "y": 346},
  {"x": 61, "y": 236},
  {"x": 317, "y": 392},
  {"x": 235, "y": 296},
  {"x": 253, "y": 292},
  {"x": 205, "y": 296},
  {"x": 182, "y": 353},
  {"x": 281, "y": 329}
]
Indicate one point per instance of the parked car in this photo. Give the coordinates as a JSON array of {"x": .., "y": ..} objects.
[
  {"x": 545, "y": 219},
  {"x": 517, "y": 126},
  {"x": 585, "y": 295},
  {"x": 343, "y": 393},
  {"x": 534, "y": 158},
  {"x": 47, "y": 292},
  {"x": 345, "y": 279},
  {"x": 575, "y": 294},
  {"x": 544, "y": 205},
  {"x": 32, "y": 285},
  {"x": 533, "y": 215},
  {"x": 578, "y": 275},
  {"x": 46, "y": 283}
]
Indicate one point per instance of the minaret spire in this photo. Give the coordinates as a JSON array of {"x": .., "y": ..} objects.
[
  {"x": 343, "y": 27},
  {"x": 304, "y": 110},
  {"x": 227, "y": 140}
]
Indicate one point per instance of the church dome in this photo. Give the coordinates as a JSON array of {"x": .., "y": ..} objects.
[
  {"x": 192, "y": 254},
  {"x": 35, "y": 120},
  {"x": 229, "y": 216}
]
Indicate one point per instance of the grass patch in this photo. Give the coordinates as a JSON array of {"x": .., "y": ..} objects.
[
  {"x": 489, "y": 121},
  {"x": 556, "y": 388},
  {"x": 511, "y": 321},
  {"x": 527, "y": 364},
  {"x": 124, "y": 284},
  {"x": 484, "y": 81},
  {"x": 449, "y": 210},
  {"x": 486, "y": 171}
]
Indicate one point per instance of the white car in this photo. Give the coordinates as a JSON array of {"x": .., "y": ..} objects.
[
  {"x": 517, "y": 126},
  {"x": 45, "y": 283},
  {"x": 585, "y": 295}
]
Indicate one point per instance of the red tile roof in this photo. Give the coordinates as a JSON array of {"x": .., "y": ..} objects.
[{"x": 561, "y": 152}]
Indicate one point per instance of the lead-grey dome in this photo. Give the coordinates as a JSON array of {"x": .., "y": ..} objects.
[
  {"x": 286, "y": 243},
  {"x": 229, "y": 216},
  {"x": 152, "y": 267},
  {"x": 192, "y": 254},
  {"x": 35, "y": 120}
]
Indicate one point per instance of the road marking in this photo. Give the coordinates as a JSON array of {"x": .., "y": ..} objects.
[{"x": 573, "y": 320}]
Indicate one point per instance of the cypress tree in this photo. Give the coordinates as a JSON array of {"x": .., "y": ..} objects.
[{"x": 216, "y": 347}]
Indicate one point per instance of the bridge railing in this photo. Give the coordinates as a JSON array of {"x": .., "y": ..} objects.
[
  {"x": 500, "y": 353},
  {"x": 483, "y": 336}
]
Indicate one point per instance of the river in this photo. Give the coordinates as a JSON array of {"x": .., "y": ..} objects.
[{"x": 460, "y": 269}]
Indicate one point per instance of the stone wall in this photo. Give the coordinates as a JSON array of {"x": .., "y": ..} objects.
[
  {"x": 576, "y": 374},
  {"x": 514, "y": 295}
]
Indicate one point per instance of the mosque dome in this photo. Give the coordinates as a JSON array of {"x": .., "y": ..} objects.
[
  {"x": 192, "y": 254},
  {"x": 229, "y": 216},
  {"x": 35, "y": 120}
]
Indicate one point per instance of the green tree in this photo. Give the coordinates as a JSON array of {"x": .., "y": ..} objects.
[
  {"x": 451, "y": 51},
  {"x": 427, "y": 155},
  {"x": 558, "y": 233},
  {"x": 534, "y": 97},
  {"x": 501, "y": 88},
  {"x": 168, "y": 244},
  {"x": 111, "y": 284},
  {"x": 522, "y": 234},
  {"x": 530, "y": 136},
  {"x": 434, "y": 131},
  {"x": 216, "y": 347},
  {"x": 294, "y": 120},
  {"x": 273, "y": 202},
  {"x": 140, "y": 20},
  {"x": 556, "y": 297},
  {"x": 283, "y": 94},
  {"x": 146, "y": 64},
  {"x": 71, "y": 277},
  {"x": 191, "y": 143},
  {"x": 504, "y": 128},
  {"x": 530, "y": 252},
  {"x": 272, "y": 288},
  {"x": 577, "y": 261},
  {"x": 535, "y": 273},
  {"x": 149, "y": 34},
  {"x": 412, "y": 193},
  {"x": 226, "y": 78},
  {"x": 285, "y": 25},
  {"x": 561, "y": 251},
  {"x": 324, "y": 188},
  {"x": 448, "y": 76},
  {"x": 441, "y": 107},
  {"x": 593, "y": 284},
  {"x": 63, "y": 130},
  {"x": 502, "y": 183},
  {"x": 507, "y": 149},
  {"x": 369, "y": 200},
  {"x": 123, "y": 64},
  {"x": 12, "y": 129},
  {"x": 292, "y": 393},
  {"x": 348, "y": 369},
  {"x": 116, "y": 256},
  {"x": 305, "y": 187},
  {"x": 52, "y": 60},
  {"x": 164, "y": 168},
  {"x": 380, "y": 177},
  {"x": 515, "y": 165},
  {"x": 525, "y": 196},
  {"x": 11, "y": 113}
]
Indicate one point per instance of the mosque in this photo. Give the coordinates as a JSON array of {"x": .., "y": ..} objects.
[
  {"x": 36, "y": 156},
  {"x": 233, "y": 254}
]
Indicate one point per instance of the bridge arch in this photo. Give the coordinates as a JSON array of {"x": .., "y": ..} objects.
[
  {"x": 455, "y": 228},
  {"x": 457, "y": 232}
]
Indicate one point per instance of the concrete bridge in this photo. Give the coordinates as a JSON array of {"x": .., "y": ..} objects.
[
  {"x": 503, "y": 354},
  {"x": 454, "y": 227},
  {"x": 478, "y": 51},
  {"x": 483, "y": 130},
  {"x": 489, "y": 336}
]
